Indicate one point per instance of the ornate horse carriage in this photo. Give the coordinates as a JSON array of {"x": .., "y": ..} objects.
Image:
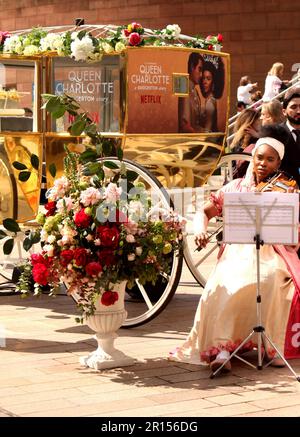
[{"x": 161, "y": 95}]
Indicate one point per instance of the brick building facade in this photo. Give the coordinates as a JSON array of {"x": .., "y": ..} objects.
[{"x": 256, "y": 33}]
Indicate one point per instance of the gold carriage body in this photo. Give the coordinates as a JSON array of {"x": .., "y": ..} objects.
[{"x": 134, "y": 97}]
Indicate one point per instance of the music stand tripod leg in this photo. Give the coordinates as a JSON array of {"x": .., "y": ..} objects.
[
  {"x": 234, "y": 353},
  {"x": 281, "y": 356}
]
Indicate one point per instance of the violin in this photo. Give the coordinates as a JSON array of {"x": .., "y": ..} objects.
[{"x": 279, "y": 182}]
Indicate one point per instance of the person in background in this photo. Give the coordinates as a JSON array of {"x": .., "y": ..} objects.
[
  {"x": 240, "y": 106},
  {"x": 291, "y": 109},
  {"x": 189, "y": 108},
  {"x": 274, "y": 81},
  {"x": 271, "y": 113},
  {"x": 255, "y": 98},
  {"x": 244, "y": 90},
  {"x": 227, "y": 312},
  {"x": 245, "y": 130}
]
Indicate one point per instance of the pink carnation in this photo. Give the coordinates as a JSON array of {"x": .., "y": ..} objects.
[{"x": 90, "y": 196}]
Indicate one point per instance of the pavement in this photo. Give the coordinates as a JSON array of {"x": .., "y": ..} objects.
[{"x": 40, "y": 374}]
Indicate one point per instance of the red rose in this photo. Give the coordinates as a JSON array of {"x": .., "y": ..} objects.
[
  {"x": 66, "y": 257},
  {"x": 107, "y": 257},
  {"x": 220, "y": 37},
  {"x": 126, "y": 32},
  {"x": 40, "y": 274},
  {"x": 134, "y": 39},
  {"x": 80, "y": 256},
  {"x": 109, "y": 298},
  {"x": 51, "y": 208},
  {"x": 109, "y": 236},
  {"x": 210, "y": 47},
  {"x": 93, "y": 268},
  {"x": 37, "y": 258},
  {"x": 81, "y": 219}
]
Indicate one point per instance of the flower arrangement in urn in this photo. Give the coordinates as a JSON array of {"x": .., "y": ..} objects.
[{"x": 97, "y": 228}]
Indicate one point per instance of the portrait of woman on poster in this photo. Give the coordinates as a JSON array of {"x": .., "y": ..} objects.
[{"x": 211, "y": 85}]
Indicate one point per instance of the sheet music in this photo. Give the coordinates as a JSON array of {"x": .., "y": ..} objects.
[{"x": 274, "y": 215}]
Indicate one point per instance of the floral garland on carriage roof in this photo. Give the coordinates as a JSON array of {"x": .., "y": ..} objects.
[{"x": 90, "y": 42}]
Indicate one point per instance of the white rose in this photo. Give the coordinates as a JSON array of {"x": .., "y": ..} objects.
[
  {"x": 131, "y": 257},
  {"x": 139, "y": 251},
  {"x": 107, "y": 47},
  {"x": 81, "y": 49},
  {"x": 119, "y": 47},
  {"x": 31, "y": 50},
  {"x": 130, "y": 238},
  {"x": 51, "y": 239}
]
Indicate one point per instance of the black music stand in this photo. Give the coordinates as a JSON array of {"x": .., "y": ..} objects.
[{"x": 254, "y": 218}]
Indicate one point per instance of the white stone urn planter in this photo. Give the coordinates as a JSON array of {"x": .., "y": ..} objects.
[{"x": 105, "y": 322}]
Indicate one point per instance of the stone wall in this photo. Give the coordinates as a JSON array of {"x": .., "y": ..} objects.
[{"x": 256, "y": 33}]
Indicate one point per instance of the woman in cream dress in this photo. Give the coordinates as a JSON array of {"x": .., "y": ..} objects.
[{"x": 226, "y": 313}]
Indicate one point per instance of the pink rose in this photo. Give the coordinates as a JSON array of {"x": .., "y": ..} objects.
[
  {"x": 3, "y": 36},
  {"x": 135, "y": 26},
  {"x": 93, "y": 268},
  {"x": 109, "y": 298},
  {"x": 135, "y": 39}
]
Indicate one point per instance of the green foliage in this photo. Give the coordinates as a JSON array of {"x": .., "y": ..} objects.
[
  {"x": 52, "y": 170},
  {"x": 35, "y": 162},
  {"x": 19, "y": 166},
  {"x": 11, "y": 225},
  {"x": 8, "y": 246}
]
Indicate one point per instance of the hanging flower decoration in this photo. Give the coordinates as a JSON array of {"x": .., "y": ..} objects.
[{"x": 81, "y": 45}]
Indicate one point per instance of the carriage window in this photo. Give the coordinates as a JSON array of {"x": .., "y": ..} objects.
[
  {"x": 180, "y": 84},
  {"x": 17, "y": 106},
  {"x": 96, "y": 87}
]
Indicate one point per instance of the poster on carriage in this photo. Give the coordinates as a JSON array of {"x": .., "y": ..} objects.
[{"x": 176, "y": 90}]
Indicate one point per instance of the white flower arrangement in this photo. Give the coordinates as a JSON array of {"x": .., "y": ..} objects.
[
  {"x": 82, "y": 49},
  {"x": 13, "y": 44},
  {"x": 83, "y": 46},
  {"x": 172, "y": 31},
  {"x": 52, "y": 42}
]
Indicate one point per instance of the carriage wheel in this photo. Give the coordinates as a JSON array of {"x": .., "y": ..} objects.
[
  {"x": 195, "y": 259},
  {"x": 145, "y": 302}
]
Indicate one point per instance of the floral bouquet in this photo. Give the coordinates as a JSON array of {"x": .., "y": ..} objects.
[{"x": 98, "y": 228}]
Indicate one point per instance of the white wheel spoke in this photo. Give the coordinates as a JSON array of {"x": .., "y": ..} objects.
[{"x": 144, "y": 294}]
